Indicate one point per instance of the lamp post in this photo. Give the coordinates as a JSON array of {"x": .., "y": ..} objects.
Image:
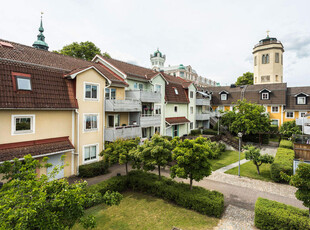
[
  {"x": 240, "y": 137},
  {"x": 218, "y": 126}
]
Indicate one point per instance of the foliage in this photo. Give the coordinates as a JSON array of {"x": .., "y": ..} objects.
[
  {"x": 289, "y": 128},
  {"x": 301, "y": 180},
  {"x": 283, "y": 163},
  {"x": 195, "y": 132},
  {"x": 84, "y": 50},
  {"x": 245, "y": 79},
  {"x": 274, "y": 215},
  {"x": 192, "y": 159},
  {"x": 93, "y": 169},
  {"x": 31, "y": 202},
  {"x": 286, "y": 144},
  {"x": 118, "y": 151},
  {"x": 253, "y": 154},
  {"x": 209, "y": 132},
  {"x": 156, "y": 152},
  {"x": 256, "y": 138},
  {"x": 226, "y": 158},
  {"x": 217, "y": 148},
  {"x": 247, "y": 118},
  {"x": 199, "y": 199}
]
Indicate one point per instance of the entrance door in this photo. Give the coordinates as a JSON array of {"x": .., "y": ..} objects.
[{"x": 175, "y": 131}]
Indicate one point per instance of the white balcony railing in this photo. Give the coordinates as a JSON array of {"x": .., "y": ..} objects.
[
  {"x": 203, "y": 116},
  {"x": 150, "y": 121},
  {"x": 144, "y": 96},
  {"x": 122, "y": 105},
  {"x": 200, "y": 101},
  {"x": 125, "y": 132}
]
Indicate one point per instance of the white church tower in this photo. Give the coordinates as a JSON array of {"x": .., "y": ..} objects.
[{"x": 157, "y": 60}]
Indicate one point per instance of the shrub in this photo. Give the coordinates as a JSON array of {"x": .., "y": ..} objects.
[
  {"x": 199, "y": 199},
  {"x": 195, "y": 132},
  {"x": 283, "y": 163},
  {"x": 209, "y": 132},
  {"x": 273, "y": 215},
  {"x": 255, "y": 138},
  {"x": 222, "y": 147},
  {"x": 286, "y": 144},
  {"x": 93, "y": 169},
  {"x": 169, "y": 138}
]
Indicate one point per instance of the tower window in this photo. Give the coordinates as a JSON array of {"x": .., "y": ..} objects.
[
  {"x": 265, "y": 78},
  {"x": 267, "y": 58},
  {"x": 255, "y": 60},
  {"x": 281, "y": 59},
  {"x": 263, "y": 59},
  {"x": 277, "y": 57},
  {"x": 277, "y": 78}
]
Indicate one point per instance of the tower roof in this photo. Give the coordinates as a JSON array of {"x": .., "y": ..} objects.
[
  {"x": 181, "y": 66},
  {"x": 40, "y": 42},
  {"x": 158, "y": 52}
]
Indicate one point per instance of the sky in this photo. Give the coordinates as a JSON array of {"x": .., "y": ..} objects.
[{"x": 215, "y": 37}]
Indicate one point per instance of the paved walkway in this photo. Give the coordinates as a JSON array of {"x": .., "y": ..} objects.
[{"x": 225, "y": 168}]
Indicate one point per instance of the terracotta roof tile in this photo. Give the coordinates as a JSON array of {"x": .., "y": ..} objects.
[
  {"x": 37, "y": 147},
  {"x": 292, "y": 101},
  {"x": 177, "y": 120}
]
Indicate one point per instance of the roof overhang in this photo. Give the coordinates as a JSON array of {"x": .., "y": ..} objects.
[
  {"x": 98, "y": 58},
  {"x": 159, "y": 74},
  {"x": 269, "y": 91},
  {"x": 296, "y": 95},
  {"x": 177, "y": 120},
  {"x": 204, "y": 94},
  {"x": 223, "y": 91}
]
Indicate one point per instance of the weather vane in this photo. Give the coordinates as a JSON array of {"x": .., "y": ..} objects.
[{"x": 268, "y": 33}]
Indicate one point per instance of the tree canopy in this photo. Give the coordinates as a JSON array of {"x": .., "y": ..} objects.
[
  {"x": 245, "y": 79},
  {"x": 84, "y": 50},
  {"x": 247, "y": 118},
  {"x": 289, "y": 128},
  {"x": 192, "y": 159}
]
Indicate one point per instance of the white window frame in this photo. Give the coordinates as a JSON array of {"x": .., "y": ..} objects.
[
  {"x": 32, "y": 124},
  {"x": 275, "y": 107},
  {"x": 277, "y": 121},
  {"x": 98, "y": 91},
  {"x": 113, "y": 115},
  {"x": 301, "y": 103},
  {"x": 174, "y": 108},
  {"x": 191, "y": 94},
  {"x": 191, "y": 124},
  {"x": 223, "y": 98},
  {"x": 191, "y": 109},
  {"x": 220, "y": 107},
  {"x": 301, "y": 113},
  {"x": 156, "y": 108},
  {"x": 110, "y": 93},
  {"x": 155, "y": 90},
  {"x": 97, "y": 153},
  {"x": 84, "y": 122},
  {"x": 265, "y": 94},
  {"x": 176, "y": 91},
  {"x": 290, "y": 112}
]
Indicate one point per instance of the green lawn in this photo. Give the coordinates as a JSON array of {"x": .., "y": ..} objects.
[
  {"x": 139, "y": 211},
  {"x": 249, "y": 170},
  {"x": 227, "y": 158}
]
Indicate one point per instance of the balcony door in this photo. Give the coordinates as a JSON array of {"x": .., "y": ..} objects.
[
  {"x": 113, "y": 120},
  {"x": 175, "y": 131}
]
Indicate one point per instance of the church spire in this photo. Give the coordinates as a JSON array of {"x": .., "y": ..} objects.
[{"x": 40, "y": 42}]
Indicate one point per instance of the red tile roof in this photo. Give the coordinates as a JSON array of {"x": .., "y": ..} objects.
[
  {"x": 35, "y": 148},
  {"x": 177, "y": 120}
]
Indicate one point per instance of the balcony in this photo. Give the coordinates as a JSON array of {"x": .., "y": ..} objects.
[
  {"x": 200, "y": 101},
  {"x": 150, "y": 121},
  {"x": 125, "y": 132},
  {"x": 144, "y": 96},
  {"x": 202, "y": 116},
  {"x": 122, "y": 105}
]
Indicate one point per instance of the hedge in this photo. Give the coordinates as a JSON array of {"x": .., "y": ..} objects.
[
  {"x": 195, "y": 132},
  {"x": 199, "y": 199},
  {"x": 286, "y": 144},
  {"x": 209, "y": 132},
  {"x": 283, "y": 163},
  {"x": 274, "y": 215},
  {"x": 93, "y": 169}
]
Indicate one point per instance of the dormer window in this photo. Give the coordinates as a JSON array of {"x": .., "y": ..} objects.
[
  {"x": 265, "y": 94},
  {"x": 176, "y": 91},
  {"x": 22, "y": 81},
  {"x": 301, "y": 98},
  {"x": 224, "y": 95}
]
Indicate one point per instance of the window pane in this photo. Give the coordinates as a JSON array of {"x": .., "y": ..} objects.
[
  {"x": 86, "y": 153},
  {"x": 92, "y": 152},
  {"x": 23, "y": 124},
  {"x": 88, "y": 122},
  {"x": 94, "y": 122},
  {"x": 113, "y": 93},
  {"x": 135, "y": 85},
  {"x": 116, "y": 120},
  {"x": 107, "y": 93},
  {"x": 111, "y": 121},
  {"x": 88, "y": 91},
  {"x": 141, "y": 86},
  {"x": 23, "y": 83},
  {"x": 94, "y": 91}
]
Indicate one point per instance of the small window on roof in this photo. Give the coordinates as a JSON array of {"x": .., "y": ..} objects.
[
  {"x": 22, "y": 81},
  {"x": 176, "y": 91}
]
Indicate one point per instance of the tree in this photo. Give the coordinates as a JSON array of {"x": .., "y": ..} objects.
[
  {"x": 118, "y": 151},
  {"x": 84, "y": 50},
  {"x": 253, "y": 154},
  {"x": 31, "y": 202},
  {"x": 192, "y": 160},
  {"x": 245, "y": 79},
  {"x": 156, "y": 152},
  {"x": 247, "y": 118},
  {"x": 289, "y": 128}
]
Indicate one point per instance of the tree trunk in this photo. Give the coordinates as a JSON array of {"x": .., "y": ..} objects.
[
  {"x": 190, "y": 182},
  {"x": 126, "y": 164},
  {"x": 260, "y": 140},
  {"x": 159, "y": 176},
  {"x": 257, "y": 167},
  {"x": 309, "y": 212}
]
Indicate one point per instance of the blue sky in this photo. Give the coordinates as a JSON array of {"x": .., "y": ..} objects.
[{"x": 215, "y": 37}]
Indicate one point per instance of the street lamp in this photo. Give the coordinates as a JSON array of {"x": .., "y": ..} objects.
[{"x": 240, "y": 137}]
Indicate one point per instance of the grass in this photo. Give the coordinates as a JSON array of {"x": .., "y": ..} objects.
[
  {"x": 139, "y": 211},
  {"x": 249, "y": 170},
  {"x": 227, "y": 158}
]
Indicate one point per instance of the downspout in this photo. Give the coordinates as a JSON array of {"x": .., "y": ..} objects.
[
  {"x": 77, "y": 141},
  {"x": 73, "y": 142}
]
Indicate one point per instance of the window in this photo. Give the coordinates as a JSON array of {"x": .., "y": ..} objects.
[
  {"x": 275, "y": 109},
  {"x": 91, "y": 91},
  {"x": 176, "y": 91},
  {"x": 263, "y": 59},
  {"x": 90, "y": 152},
  {"x": 255, "y": 60},
  {"x": 158, "y": 88},
  {"x": 23, "y": 124},
  {"x": 113, "y": 120},
  {"x": 265, "y": 96},
  {"x": 267, "y": 58},
  {"x": 289, "y": 115},
  {"x": 140, "y": 86},
  {"x": 181, "y": 74},
  {"x": 175, "y": 108},
  {"x": 302, "y": 114},
  {"x": 23, "y": 83},
  {"x": 281, "y": 59},
  {"x": 277, "y": 78},
  {"x": 110, "y": 93},
  {"x": 277, "y": 57},
  {"x": 91, "y": 122},
  {"x": 192, "y": 110},
  {"x": 135, "y": 86},
  {"x": 301, "y": 100},
  {"x": 157, "y": 109},
  {"x": 191, "y": 125},
  {"x": 223, "y": 96},
  {"x": 144, "y": 132},
  {"x": 265, "y": 78},
  {"x": 275, "y": 122},
  {"x": 191, "y": 94},
  {"x": 220, "y": 108}
]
